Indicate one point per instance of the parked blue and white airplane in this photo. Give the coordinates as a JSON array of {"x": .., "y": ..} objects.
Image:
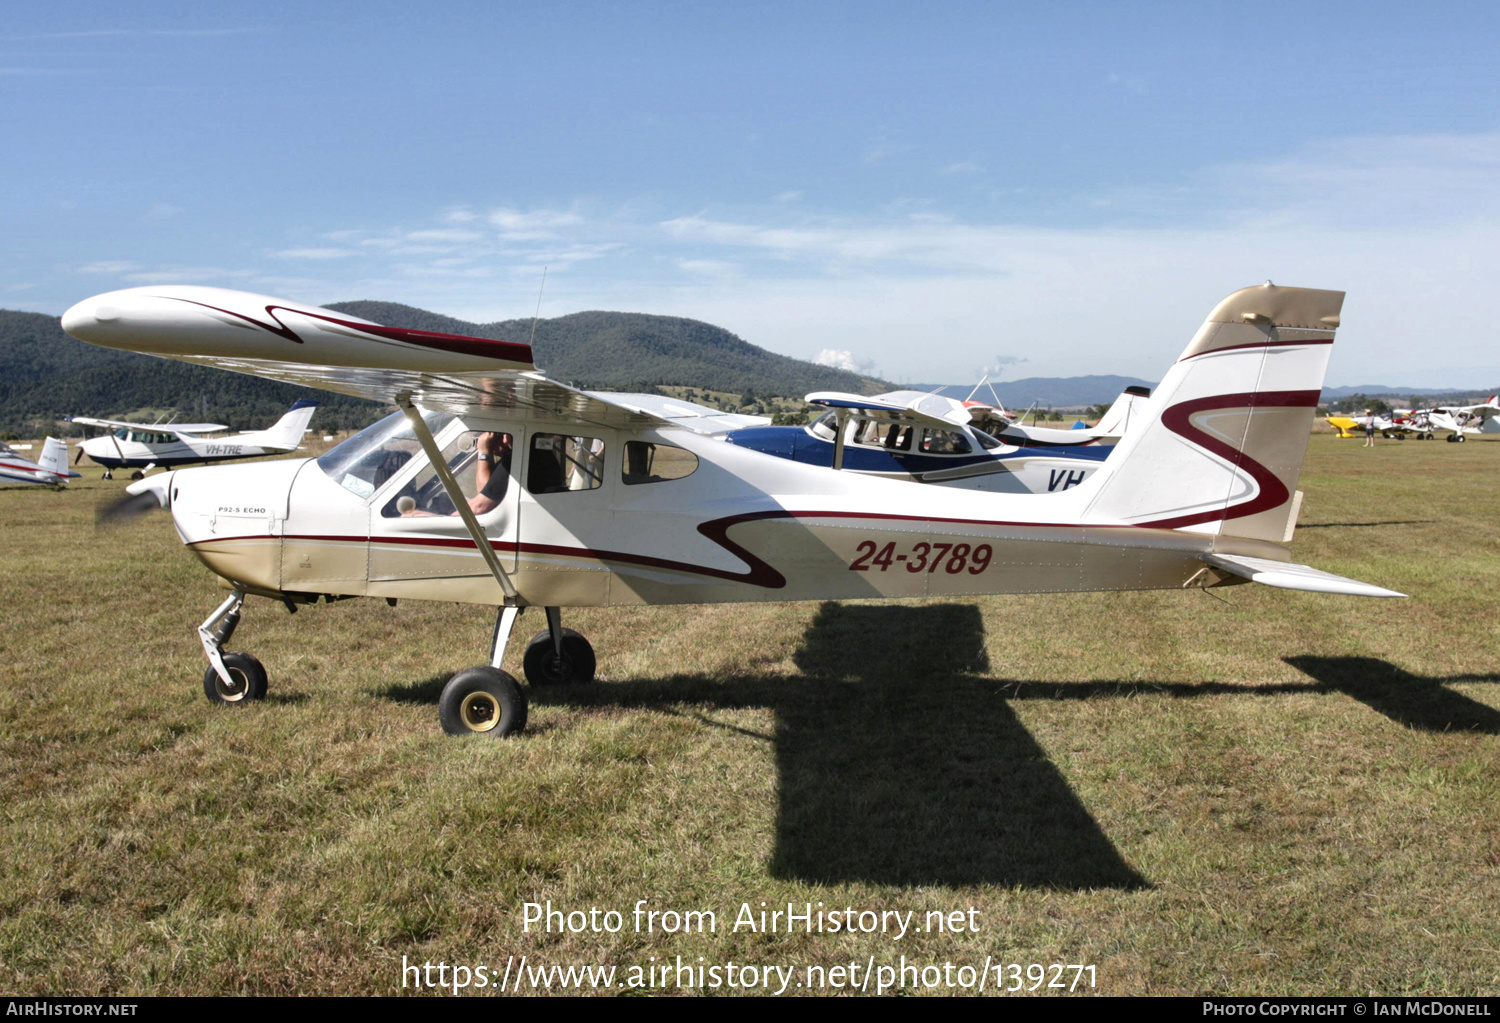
[
  {"x": 929, "y": 438},
  {"x": 52, "y": 469},
  {"x": 143, "y": 446}
]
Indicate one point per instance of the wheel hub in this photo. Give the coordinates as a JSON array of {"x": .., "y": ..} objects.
[
  {"x": 235, "y": 690},
  {"x": 480, "y": 712}
]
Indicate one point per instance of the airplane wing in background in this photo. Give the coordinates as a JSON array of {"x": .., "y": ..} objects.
[
  {"x": 899, "y": 406},
  {"x": 190, "y": 429}
]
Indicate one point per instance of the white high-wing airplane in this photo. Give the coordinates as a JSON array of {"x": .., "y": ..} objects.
[
  {"x": 51, "y": 468},
  {"x": 143, "y": 446},
  {"x": 494, "y": 485},
  {"x": 1459, "y": 419}
]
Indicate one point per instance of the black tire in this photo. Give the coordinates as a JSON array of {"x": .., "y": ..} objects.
[
  {"x": 249, "y": 676},
  {"x": 138, "y": 475},
  {"x": 482, "y": 701},
  {"x": 1459, "y": 438},
  {"x": 543, "y": 668}
]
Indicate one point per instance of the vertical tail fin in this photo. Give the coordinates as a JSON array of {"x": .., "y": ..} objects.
[
  {"x": 54, "y": 458},
  {"x": 288, "y": 430},
  {"x": 1222, "y": 446},
  {"x": 1126, "y": 410}
]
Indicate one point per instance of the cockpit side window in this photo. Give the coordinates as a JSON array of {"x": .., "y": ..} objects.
[
  {"x": 480, "y": 464},
  {"x": 651, "y": 462},
  {"x": 558, "y": 463},
  {"x": 944, "y": 442},
  {"x": 365, "y": 462},
  {"x": 883, "y": 434},
  {"x": 824, "y": 427}
]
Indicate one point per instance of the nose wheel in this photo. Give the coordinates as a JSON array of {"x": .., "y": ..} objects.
[{"x": 247, "y": 680}]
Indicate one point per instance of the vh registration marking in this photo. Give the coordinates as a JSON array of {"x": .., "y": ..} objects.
[{"x": 929, "y": 557}]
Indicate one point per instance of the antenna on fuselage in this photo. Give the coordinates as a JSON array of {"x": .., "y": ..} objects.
[{"x": 538, "y": 312}]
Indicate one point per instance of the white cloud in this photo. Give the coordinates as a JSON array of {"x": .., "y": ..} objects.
[
  {"x": 999, "y": 365},
  {"x": 324, "y": 253},
  {"x": 109, "y": 266},
  {"x": 842, "y": 358},
  {"x": 531, "y": 223},
  {"x": 444, "y": 235},
  {"x": 707, "y": 267}
]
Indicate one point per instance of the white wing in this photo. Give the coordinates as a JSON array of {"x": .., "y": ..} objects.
[
  {"x": 315, "y": 347},
  {"x": 178, "y": 428}
]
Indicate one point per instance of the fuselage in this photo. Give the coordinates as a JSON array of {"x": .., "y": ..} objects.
[
  {"x": 134, "y": 448},
  {"x": 727, "y": 524}
]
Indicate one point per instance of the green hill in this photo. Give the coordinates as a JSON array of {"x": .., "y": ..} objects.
[
  {"x": 625, "y": 351},
  {"x": 46, "y": 375}
]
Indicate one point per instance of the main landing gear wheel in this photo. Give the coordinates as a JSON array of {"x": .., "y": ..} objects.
[
  {"x": 247, "y": 678},
  {"x": 482, "y": 701},
  {"x": 138, "y": 475},
  {"x": 544, "y": 668},
  {"x": 1459, "y": 438}
]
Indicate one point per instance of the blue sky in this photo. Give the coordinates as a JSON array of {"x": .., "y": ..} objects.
[{"x": 918, "y": 189}]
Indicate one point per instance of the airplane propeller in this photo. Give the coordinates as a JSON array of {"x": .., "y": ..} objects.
[
  {"x": 123, "y": 510},
  {"x": 79, "y": 456},
  {"x": 140, "y": 498}
]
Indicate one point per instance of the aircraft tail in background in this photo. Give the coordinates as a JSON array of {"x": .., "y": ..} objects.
[
  {"x": 286, "y": 434},
  {"x": 54, "y": 458}
]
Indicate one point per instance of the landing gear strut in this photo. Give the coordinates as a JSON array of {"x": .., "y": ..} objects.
[
  {"x": 488, "y": 701},
  {"x": 233, "y": 677},
  {"x": 558, "y": 656}
]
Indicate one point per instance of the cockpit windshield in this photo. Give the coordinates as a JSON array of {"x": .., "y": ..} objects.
[{"x": 364, "y": 462}]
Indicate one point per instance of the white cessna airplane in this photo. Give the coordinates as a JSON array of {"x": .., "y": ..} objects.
[
  {"x": 143, "y": 447},
  {"x": 51, "y": 469},
  {"x": 496, "y": 486},
  {"x": 1458, "y": 419}
]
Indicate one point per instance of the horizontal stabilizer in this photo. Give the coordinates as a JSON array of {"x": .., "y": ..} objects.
[{"x": 1287, "y": 576}]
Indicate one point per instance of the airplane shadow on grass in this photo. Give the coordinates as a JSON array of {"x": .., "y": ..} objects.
[
  {"x": 901, "y": 762},
  {"x": 1424, "y": 704}
]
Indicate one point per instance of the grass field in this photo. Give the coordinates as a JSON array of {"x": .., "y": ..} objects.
[{"x": 1244, "y": 791}]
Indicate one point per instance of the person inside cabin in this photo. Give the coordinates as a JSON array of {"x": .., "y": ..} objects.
[{"x": 494, "y": 452}]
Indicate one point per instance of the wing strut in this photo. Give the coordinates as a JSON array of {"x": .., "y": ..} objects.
[
  {"x": 841, "y": 417},
  {"x": 435, "y": 457}
]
